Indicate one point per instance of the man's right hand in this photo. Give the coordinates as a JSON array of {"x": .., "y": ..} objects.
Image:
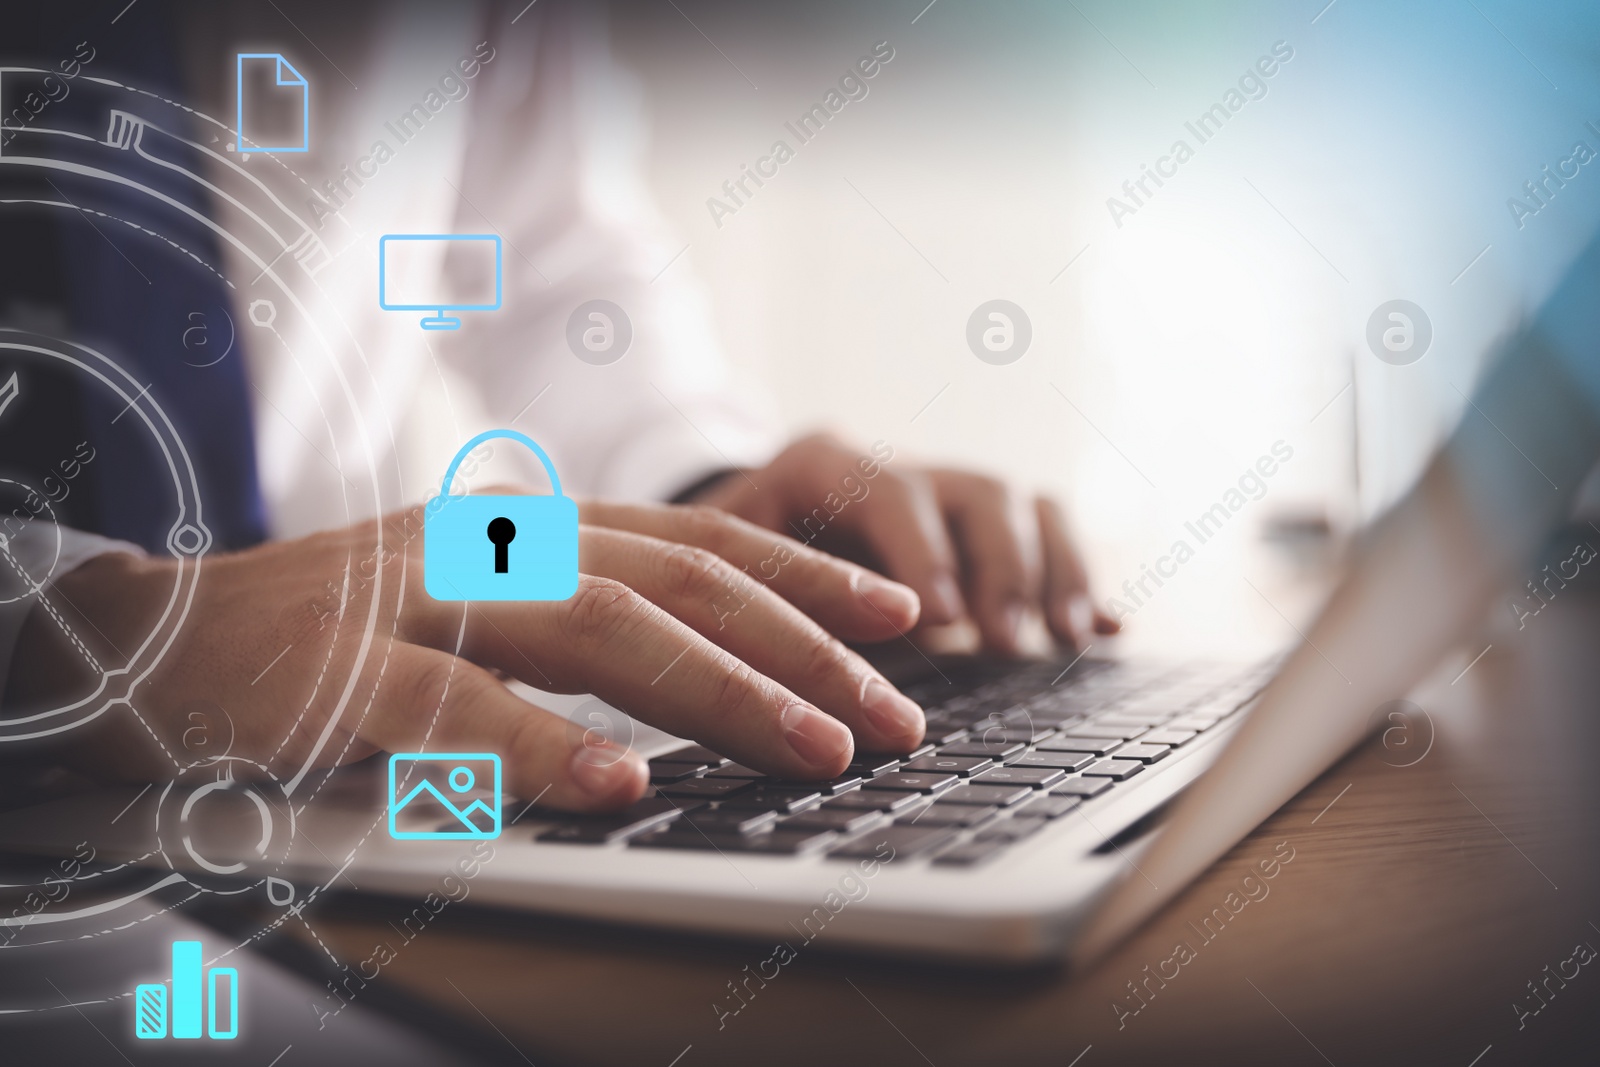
[{"x": 685, "y": 617}]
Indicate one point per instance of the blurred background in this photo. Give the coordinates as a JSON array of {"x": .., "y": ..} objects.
[{"x": 1227, "y": 312}]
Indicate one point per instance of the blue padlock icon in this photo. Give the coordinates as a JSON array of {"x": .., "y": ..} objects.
[{"x": 522, "y": 547}]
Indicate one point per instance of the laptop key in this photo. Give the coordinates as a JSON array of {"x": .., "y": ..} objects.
[
  {"x": 1093, "y": 746},
  {"x": 1049, "y": 807},
  {"x": 831, "y": 787},
  {"x": 1120, "y": 719},
  {"x": 942, "y": 814},
  {"x": 786, "y": 842},
  {"x": 905, "y": 841},
  {"x": 912, "y": 783},
  {"x": 1192, "y": 722},
  {"x": 704, "y": 788},
  {"x": 837, "y": 820},
  {"x": 1037, "y": 777},
  {"x": 1168, "y": 736},
  {"x": 1013, "y": 829},
  {"x": 997, "y": 750},
  {"x": 871, "y": 766},
  {"x": 734, "y": 770},
  {"x": 638, "y": 817},
  {"x": 1106, "y": 733},
  {"x": 970, "y": 854},
  {"x": 1080, "y": 787},
  {"x": 1143, "y": 752},
  {"x": 944, "y": 734},
  {"x": 698, "y": 754},
  {"x": 1066, "y": 761},
  {"x": 872, "y": 800},
  {"x": 661, "y": 773},
  {"x": 1044, "y": 715},
  {"x": 1114, "y": 768},
  {"x": 780, "y": 841},
  {"x": 725, "y": 820},
  {"x": 689, "y": 839},
  {"x": 1023, "y": 735},
  {"x": 987, "y": 795},
  {"x": 780, "y": 798},
  {"x": 963, "y": 766}
]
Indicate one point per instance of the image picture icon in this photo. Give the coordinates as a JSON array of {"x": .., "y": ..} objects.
[
  {"x": 411, "y": 275},
  {"x": 444, "y": 796},
  {"x": 273, "y": 104},
  {"x": 197, "y": 996}
]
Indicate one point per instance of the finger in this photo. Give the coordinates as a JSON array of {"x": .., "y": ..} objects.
[
  {"x": 608, "y": 640},
  {"x": 849, "y": 601},
  {"x": 727, "y": 607},
  {"x": 901, "y": 523},
  {"x": 1001, "y": 552},
  {"x": 1070, "y": 612},
  {"x": 442, "y": 703}
]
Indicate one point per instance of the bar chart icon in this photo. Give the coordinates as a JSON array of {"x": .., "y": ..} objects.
[
  {"x": 211, "y": 996},
  {"x": 150, "y": 1011}
]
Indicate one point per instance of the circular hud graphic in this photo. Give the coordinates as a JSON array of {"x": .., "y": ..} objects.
[{"x": 126, "y": 186}]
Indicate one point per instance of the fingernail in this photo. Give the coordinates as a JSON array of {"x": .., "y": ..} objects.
[
  {"x": 947, "y": 604},
  {"x": 893, "y": 599},
  {"x": 892, "y": 714},
  {"x": 604, "y": 770},
  {"x": 816, "y": 738}
]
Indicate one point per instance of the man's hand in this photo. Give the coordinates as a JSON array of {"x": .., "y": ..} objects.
[
  {"x": 971, "y": 547},
  {"x": 688, "y": 618}
]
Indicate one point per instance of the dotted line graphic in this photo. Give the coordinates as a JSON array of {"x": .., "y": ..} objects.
[
  {"x": 51, "y": 610},
  {"x": 126, "y": 222}
]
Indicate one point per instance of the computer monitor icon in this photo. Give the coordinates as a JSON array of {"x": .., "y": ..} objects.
[{"x": 411, "y": 275}]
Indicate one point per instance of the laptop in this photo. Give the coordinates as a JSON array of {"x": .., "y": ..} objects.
[{"x": 1053, "y": 807}]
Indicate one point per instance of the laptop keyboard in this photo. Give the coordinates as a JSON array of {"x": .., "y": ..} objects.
[{"x": 1018, "y": 747}]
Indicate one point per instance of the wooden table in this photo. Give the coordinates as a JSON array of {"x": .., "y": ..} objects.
[{"x": 1420, "y": 902}]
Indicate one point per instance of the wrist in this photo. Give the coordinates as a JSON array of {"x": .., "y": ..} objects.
[{"x": 103, "y": 602}]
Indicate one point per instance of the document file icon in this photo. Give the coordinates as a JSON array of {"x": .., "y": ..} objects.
[
  {"x": 444, "y": 796},
  {"x": 273, "y": 112}
]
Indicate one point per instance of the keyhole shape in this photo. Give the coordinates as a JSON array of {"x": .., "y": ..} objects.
[{"x": 502, "y": 532}]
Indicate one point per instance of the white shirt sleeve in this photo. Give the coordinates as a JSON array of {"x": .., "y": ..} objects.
[
  {"x": 33, "y": 560},
  {"x": 552, "y": 163}
]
